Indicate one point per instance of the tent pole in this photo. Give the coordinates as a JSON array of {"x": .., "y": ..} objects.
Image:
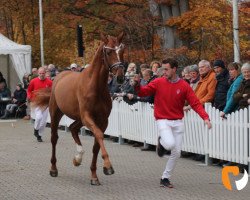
[{"x": 8, "y": 71}]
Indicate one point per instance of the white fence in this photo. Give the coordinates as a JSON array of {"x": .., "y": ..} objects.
[{"x": 227, "y": 140}]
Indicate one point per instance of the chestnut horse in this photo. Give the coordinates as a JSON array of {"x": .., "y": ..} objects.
[{"x": 85, "y": 98}]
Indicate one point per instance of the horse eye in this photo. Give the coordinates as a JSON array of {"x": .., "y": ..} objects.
[{"x": 108, "y": 52}]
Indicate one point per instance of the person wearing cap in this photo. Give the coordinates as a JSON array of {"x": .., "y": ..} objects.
[
  {"x": 73, "y": 67},
  {"x": 222, "y": 86},
  {"x": 170, "y": 93},
  {"x": 19, "y": 99}
]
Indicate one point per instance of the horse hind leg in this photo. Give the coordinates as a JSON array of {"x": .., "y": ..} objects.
[
  {"x": 75, "y": 128},
  {"x": 56, "y": 116}
]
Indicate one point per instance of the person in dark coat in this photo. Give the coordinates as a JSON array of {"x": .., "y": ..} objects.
[
  {"x": 222, "y": 77},
  {"x": 19, "y": 99},
  {"x": 2, "y": 79},
  {"x": 242, "y": 95},
  {"x": 5, "y": 95}
]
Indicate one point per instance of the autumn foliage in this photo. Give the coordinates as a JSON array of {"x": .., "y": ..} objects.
[{"x": 205, "y": 29}]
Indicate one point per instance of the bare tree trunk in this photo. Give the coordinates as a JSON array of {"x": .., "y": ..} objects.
[
  {"x": 176, "y": 12},
  {"x": 168, "y": 34},
  {"x": 33, "y": 17},
  {"x": 23, "y": 32},
  {"x": 184, "y": 6}
]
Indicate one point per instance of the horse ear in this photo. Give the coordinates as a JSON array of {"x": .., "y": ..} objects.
[
  {"x": 104, "y": 38},
  {"x": 120, "y": 37}
]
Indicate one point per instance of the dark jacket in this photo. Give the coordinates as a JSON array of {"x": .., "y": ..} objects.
[
  {"x": 238, "y": 95},
  {"x": 149, "y": 99},
  {"x": 5, "y": 93},
  {"x": 20, "y": 96},
  {"x": 221, "y": 89},
  {"x": 115, "y": 85}
]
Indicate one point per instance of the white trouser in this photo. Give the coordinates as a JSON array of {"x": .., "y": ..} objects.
[
  {"x": 41, "y": 116},
  {"x": 171, "y": 133}
]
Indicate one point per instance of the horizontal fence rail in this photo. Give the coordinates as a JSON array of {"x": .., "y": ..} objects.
[{"x": 227, "y": 140}]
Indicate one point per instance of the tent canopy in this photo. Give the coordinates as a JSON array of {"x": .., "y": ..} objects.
[{"x": 20, "y": 55}]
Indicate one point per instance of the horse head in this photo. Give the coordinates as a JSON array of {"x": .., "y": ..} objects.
[{"x": 113, "y": 50}]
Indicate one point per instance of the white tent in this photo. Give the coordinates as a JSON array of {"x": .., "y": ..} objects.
[{"x": 15, "y": 60}]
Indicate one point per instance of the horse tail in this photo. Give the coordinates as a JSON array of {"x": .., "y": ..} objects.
[{"x": 41, "y": 97}]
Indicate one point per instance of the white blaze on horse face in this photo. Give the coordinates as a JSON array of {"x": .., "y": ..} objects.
[
  {"x": 79, "y": 154},
  {"x": 117, "y": 50}
]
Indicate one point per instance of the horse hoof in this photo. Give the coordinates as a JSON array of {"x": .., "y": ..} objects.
[
  {"x": 108, "y": 171},
  {"x": 95, "y": 182},
  {"x": 53, "y": 173},
  {"x": 75, "y": 163}
]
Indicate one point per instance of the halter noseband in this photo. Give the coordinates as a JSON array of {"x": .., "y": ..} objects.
[{"x": 117, "y": 50}]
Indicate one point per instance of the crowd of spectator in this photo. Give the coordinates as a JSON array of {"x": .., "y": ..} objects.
[
  {"x": 226, "y": 87},
  {"x": 16, "y": 105}
]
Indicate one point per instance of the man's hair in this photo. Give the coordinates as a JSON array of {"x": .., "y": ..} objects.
[
  {"x": 149, "y": 72},
  {"x": 234, "y": 65},
  {"x": 205, "y": 62},
  {"x": 144, "y": 66},
  {"x": 246, "y": 66},
  {"x": 172, "y": 62}
]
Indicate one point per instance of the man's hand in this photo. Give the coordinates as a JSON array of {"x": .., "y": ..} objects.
[
  {"x": 130, "y": 96},
  {"x": 222, "y": 114},
  {"x": 208, "y": 123},
  {"x": 186, "y": 108}
]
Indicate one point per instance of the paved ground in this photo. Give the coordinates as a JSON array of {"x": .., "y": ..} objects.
[{"x": 24, "y": 171}]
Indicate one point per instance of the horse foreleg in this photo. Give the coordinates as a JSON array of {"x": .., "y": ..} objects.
[
  {"x": 75, "y": 128},
  {"x": 94, "y": 178},
  {"x": 98, "y": 133},
  {"x": 56, "y": 116}
]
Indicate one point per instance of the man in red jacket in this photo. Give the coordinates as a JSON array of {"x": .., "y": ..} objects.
[
  {"x": 170, "y": 93},
  {"x": 41, "y": 114}
]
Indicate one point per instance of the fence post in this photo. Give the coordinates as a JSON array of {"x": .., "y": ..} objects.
[
  {"x": 145, "y": 144},
  {"x": 208, "y": 160},
  {"x": 248, "y": 139},
  {"x": 83, "y": 131},
  {"x": 120, "y": 140},
  {"x": 66, "y": 129}
]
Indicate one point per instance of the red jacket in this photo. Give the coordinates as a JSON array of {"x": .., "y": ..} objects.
[
  {"x": 170, "y": 98},
  {"x": 36, "y": 84}
]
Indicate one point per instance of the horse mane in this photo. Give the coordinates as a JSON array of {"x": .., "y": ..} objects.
[{"x": 41, "y": 97}]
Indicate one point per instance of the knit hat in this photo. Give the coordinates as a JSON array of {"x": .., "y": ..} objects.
[
  {"x": 219, "y": 63},
  {"x": 193, "y": 68}
]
